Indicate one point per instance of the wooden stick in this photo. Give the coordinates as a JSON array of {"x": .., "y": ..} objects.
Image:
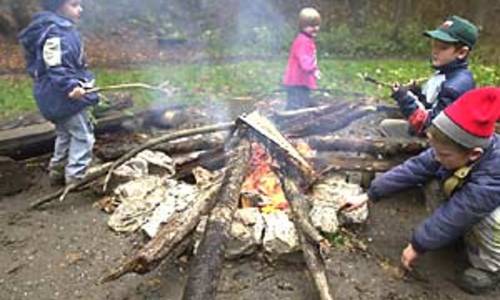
[
  {"x": 61, "y": 193},
  {"x": 206, "y": 266},
  {"x": 163, "y": 139},
  {"x": 128, "y": 86},
  {"x": 310, "y": 239},
  {"x": 316, "y": 268}
]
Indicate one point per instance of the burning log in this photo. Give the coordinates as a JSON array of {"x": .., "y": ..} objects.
[
  {"x": 387, "y": 147},
  {"x": 293, "y": 165},
  {"x": 164, "y": 139},
  {"x": 206, "y": 267}
]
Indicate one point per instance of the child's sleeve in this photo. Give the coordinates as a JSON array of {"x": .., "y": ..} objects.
[
  {"x": 466, "y": 207},
  {"x": 60, "y": 63},
  {"x": 415, "y": 171},
  {"x": 306, "y": 55}
]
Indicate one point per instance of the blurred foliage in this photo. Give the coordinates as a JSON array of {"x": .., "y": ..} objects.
[{"x": 256, "y": 79}]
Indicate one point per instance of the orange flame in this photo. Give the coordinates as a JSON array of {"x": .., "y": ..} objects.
[{"x": 262, "y": 181}]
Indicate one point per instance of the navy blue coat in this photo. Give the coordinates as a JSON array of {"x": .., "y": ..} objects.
[
  {"x": 457, "y": 80},
  {"x": 478, "y": 197},
  {"x": 53, "y": 83}
]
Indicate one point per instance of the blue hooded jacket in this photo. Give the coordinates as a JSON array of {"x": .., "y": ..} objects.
[
  {"x": 477, "y": 198},
  {"x": 58, "y": 38},
  {"x": 458, "y": 79}
]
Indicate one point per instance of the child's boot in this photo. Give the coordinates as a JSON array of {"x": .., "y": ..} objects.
[{"x": 476, "y": 281}]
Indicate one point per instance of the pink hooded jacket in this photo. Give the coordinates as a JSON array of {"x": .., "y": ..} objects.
[{"x": 302, "y": 63}]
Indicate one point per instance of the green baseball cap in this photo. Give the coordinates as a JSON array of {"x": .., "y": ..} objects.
[{"x": 455, "y": 29}]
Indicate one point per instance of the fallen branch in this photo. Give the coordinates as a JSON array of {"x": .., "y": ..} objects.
[
  {"x": 206, "y": 266},
  {"x": 63, "y": 192},
  {"x": 163, "y": 139},
  {"x": 170, "y": 236}
]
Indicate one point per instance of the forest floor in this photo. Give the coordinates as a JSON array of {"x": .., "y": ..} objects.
[{"x": 62, "y": 251}]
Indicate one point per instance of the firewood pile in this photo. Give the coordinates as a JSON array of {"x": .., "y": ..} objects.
[{"x": 257, "y": 179}]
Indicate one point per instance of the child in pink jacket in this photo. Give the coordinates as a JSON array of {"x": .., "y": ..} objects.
[{"x": 302, "y": 69}]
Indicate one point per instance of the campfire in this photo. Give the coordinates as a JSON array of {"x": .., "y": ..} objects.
[{"x": 274, "y": 194}]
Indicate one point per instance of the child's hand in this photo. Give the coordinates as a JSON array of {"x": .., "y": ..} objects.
[
  {"x": 355, "y": 202},
  {"x": 396, "y": 87},
  {"x": 317, "y": 74},
  {"x": 408, "y": 257},
  {"x": 77, "y": 93}
]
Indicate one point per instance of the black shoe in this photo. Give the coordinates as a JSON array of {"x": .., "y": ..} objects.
[{"x": 476, "y": 281}]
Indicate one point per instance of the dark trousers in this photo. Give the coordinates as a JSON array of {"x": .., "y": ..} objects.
[{"x": 298, "y": 97}]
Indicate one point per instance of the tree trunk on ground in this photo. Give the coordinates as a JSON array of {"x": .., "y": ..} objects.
[{"x": 206, "y": 266}]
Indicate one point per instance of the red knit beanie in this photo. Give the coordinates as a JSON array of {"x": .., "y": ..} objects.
[{"x": 470, "y": 120}]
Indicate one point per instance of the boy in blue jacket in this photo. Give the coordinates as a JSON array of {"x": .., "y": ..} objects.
[
  {"x": 451, "y": 44},
  {"x": 465, "y": 157},
  {"x": 56, "y": 61}
]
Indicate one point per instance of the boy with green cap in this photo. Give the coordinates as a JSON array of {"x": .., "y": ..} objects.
[{"x": 451, "y": 44}]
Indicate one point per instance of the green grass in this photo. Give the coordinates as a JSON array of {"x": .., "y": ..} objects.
[{"x": 199, "y": 83}]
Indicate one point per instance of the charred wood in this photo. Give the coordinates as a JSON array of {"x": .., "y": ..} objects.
[
  {"x": 332, "y": 122},
  {"x": 293, "y": 129},
  {"x": 210, "y": 160},
  {"x": 191, "y": 144},
  {"x": 206, "y": 266},
  {"x": 387, "y": 147},
  {"x": 333, "y": 162}
]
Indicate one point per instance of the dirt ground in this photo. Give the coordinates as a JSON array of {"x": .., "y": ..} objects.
[{"x": 62, "y": 251}]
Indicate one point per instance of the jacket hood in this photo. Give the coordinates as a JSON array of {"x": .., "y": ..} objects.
[{"x": 30, "y": 36}]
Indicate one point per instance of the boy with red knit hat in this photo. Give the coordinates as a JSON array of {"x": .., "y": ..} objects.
[
  {"x": 465, "y": 157},
  {"x": 302, "y": 70}
]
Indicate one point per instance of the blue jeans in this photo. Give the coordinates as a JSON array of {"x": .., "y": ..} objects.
[{"x": 73, "y": 146}]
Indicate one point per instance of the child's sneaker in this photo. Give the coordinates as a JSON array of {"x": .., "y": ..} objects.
[
  {"x": 476, "y": 281},
  {"x": 56, "y": 176}
]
